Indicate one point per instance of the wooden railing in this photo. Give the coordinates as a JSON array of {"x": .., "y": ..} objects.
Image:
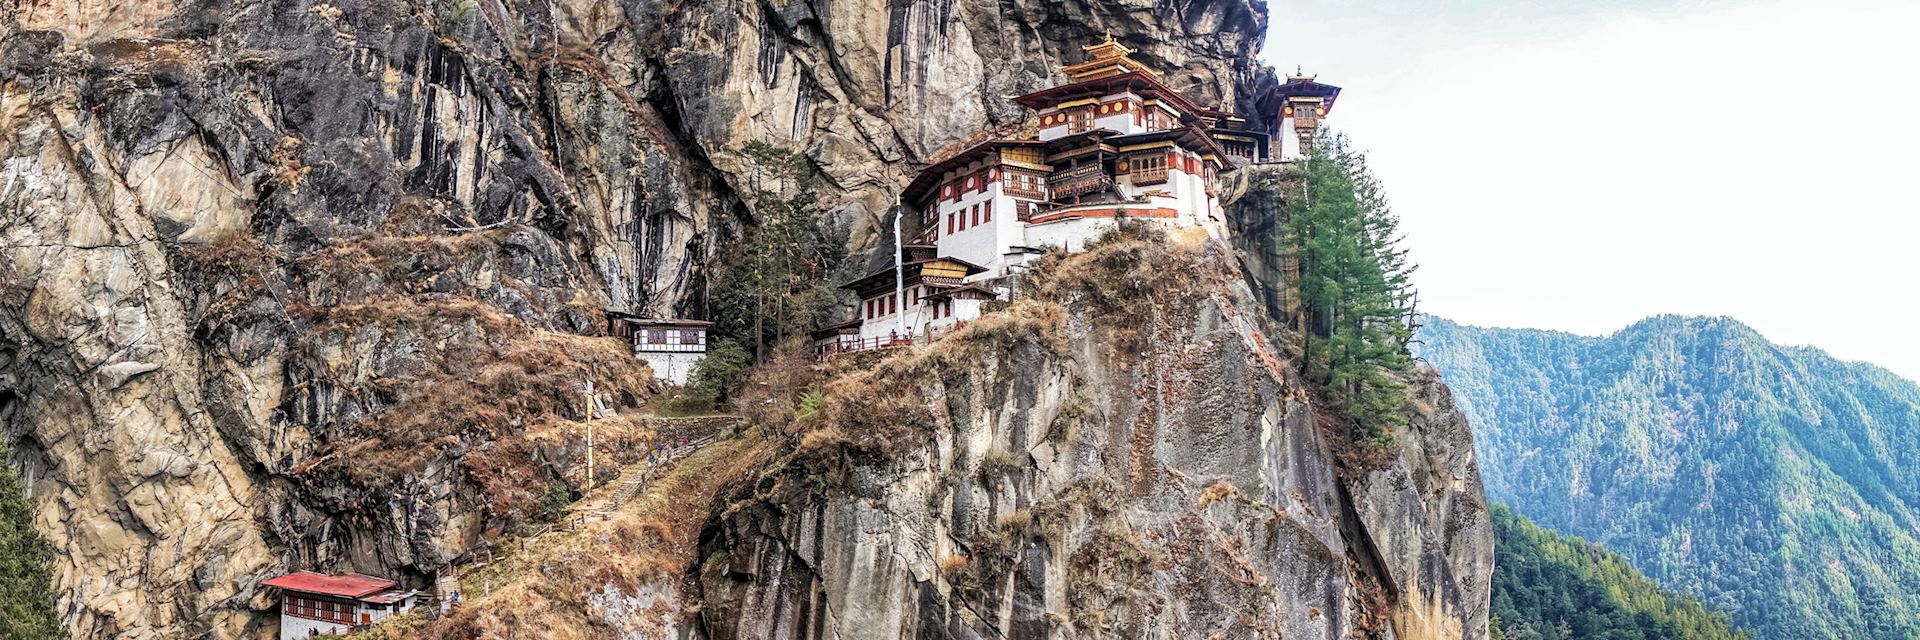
[
  {"x": 824, "y": 351},
  {"x": 1157, "y": 175}
]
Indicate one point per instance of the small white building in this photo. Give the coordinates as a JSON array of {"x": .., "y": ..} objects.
[
  {"x": 671, "y": 347},
  {"x": 921, "y": 305},
  {"x": 314, "y": 604}
]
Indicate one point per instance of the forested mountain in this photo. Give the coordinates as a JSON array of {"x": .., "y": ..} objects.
[
  {"x": 1549, "y": 586},
  {"x": 1776, "y": 483}
]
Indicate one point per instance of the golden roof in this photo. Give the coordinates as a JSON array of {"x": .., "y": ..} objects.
[{"x": 1106, "y": 58}]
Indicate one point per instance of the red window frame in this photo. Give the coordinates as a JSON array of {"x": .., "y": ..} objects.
[
  {"x": 976, "y": 214},
  {"x": 949, "y": 223}
]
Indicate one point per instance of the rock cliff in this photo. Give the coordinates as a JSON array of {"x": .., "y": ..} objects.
[
  {"x": 1121, "y": 454},
  {"x": 310, "y": 285}
]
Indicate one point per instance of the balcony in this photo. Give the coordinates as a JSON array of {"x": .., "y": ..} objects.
[
  {"x": 1156, "y": 175},
  {"x": 1078, "y": 180}
]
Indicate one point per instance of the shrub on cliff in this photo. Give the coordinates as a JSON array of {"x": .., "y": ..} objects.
[{"x": 26, "y": 566}]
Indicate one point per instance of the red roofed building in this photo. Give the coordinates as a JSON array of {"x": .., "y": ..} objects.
[{"x": 313, "y": 604}]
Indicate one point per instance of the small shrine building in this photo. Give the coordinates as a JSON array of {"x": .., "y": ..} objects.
[{"x": 315, "y": 604}]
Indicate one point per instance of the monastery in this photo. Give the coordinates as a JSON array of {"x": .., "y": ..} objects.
[{"x": 1113, "y": 143}]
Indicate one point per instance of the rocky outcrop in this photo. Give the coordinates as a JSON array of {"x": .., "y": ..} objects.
[
  {"x": 310, "y": 284},
  {"x": 1123, "y": 454}
]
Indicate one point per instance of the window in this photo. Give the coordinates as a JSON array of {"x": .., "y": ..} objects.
[
  {"x": 1082, "y": 120},
  {"x": 976, "y": 215},
  {"x": 987, "y": 213},
  {"x": 892, "y": 305},
  {"x": 656, "y": 336},
  {"x": 949, "y": 223},
  {"x": 1147, "y": 169}
]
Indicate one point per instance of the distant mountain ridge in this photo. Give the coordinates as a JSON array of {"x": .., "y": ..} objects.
[{"x": 1777, "y": 483}]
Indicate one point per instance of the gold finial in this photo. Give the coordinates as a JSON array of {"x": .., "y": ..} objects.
[
  {"x": 1300, "y": 75},
  {"x": 1105, "y": 58}
]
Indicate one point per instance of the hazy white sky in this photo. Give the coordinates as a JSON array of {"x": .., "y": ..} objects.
[{"x": 1579, "y": 166}]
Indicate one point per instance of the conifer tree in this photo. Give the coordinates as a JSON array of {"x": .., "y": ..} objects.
[
  {"x": 1353, "y": 284},
  {"x": 773, "y": 281},
  {"x": 26, "y": 565}
]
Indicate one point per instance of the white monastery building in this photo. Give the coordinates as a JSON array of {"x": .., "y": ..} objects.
[
  {"x": 315, "y": 604},
  {"x": 670, "y": 347},
  {"x": 1114, "y": 143}
]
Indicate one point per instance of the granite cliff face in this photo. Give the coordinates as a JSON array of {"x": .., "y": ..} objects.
[
  {"x": 1122, "y": 454},
  {"x": 310, "y": 284}
]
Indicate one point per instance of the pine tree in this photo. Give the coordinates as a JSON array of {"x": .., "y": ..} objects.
[
  {"x": 1353, "y": 285},
  {"x": 773, "y": 280},
  {"x": 26, "y": 565}
]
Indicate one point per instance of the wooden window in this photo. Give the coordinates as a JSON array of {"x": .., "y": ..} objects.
[
  {"x": 1082, "y": 120},
  {"x": 987, "y": 213},
  {"x": 1147, "y": 169},
  {"x": 976, "y": 215},
  {"x": 949, "y": 223},
  {"x": 893, "y": 304}
]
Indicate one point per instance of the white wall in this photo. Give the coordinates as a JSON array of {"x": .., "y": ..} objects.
[
  {"x": 913, "y": 316},
  {"x": 963, "y": 311},
  {"x": 672, "y": 367},
  {"x": 298, "y": 628}
]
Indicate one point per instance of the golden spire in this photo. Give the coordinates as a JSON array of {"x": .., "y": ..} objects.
[{"x": 1105, "y": 58}]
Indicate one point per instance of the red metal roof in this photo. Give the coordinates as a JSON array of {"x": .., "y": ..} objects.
[{"x": 352, "y": 585}]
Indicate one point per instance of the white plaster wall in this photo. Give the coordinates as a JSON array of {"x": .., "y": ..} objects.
[
  {"x": 963, "y": 311},
  {"x": 1071, "y": 234},
  {"x": 676, "y": 368},
  {"x": 913, "y": 317},
  {"x": 984, "y": 243},
  {"x": 297, "y": 628}
]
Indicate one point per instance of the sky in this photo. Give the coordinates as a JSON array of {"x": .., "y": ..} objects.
[{"x": 1582, "y": 165}]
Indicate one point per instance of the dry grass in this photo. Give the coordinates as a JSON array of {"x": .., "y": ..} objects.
[
  {"x": 771, "y": 395},
  {"x": 455, "y": 371},
  {"x": 232, "y": 268},
  {"x": 1130, "y": 282},
  {"x": 650, "y": 543}
]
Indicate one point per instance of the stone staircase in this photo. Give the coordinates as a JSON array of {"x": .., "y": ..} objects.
[
  {"x": 446, "y": 588},
  {"x": 635, "y": 479}
]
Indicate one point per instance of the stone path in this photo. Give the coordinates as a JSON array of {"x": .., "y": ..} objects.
[{"x": 634, "y": 479}]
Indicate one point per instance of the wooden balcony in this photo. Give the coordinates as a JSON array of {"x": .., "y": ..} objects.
[{"x": 1148, "y": 176}]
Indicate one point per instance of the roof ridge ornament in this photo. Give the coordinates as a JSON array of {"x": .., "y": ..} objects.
[{"x": 1106, "y": 58}]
